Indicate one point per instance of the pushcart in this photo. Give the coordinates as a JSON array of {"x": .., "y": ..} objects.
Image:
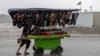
[{"x": 41, "y": 42}]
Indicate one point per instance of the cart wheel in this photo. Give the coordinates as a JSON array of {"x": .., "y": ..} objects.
[
  {"x": 39, "y": 52},
  {"x": 53, "y": 52},
  {"x": 59, "y": 50}
]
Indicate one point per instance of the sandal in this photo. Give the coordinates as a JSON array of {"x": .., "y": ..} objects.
[
  {"x": 18, "y": 53},
  {"x": 26, "y": 53}
]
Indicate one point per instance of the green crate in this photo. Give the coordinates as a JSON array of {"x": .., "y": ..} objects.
[{"x": 47, "y": 44}]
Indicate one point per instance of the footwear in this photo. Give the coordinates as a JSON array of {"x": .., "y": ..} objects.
[
  {"x": 18, "y": 53},
  {"x": 26, "y": 53}
]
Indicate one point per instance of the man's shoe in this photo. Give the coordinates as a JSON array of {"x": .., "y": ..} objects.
[
  {"x": 18, "y": 53},
  {"x": 26, "y": 53}
]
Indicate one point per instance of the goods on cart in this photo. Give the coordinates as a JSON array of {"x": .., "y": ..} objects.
[
  {"x": 42, "y": 17},
  {"x": 38, "y": 31}
]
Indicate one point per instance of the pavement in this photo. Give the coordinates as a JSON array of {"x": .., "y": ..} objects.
[
  {"x": 73, "y": 46},
  {"x": 78, "y": 44},
  {"x": 84, "y": 35}
]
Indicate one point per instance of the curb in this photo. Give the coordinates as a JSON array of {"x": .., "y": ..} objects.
[{"x": 85, "y": 35}]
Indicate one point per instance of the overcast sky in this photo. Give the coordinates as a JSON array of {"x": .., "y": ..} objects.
[{"x": 66, "y": 4}]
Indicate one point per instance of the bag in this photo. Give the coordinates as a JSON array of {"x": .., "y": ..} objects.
[{"x": 19, "y": 40}]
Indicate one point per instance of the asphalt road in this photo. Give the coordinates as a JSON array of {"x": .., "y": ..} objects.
[{"x": 73, "y": 46}]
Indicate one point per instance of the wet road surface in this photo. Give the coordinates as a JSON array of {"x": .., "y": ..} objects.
[{"x": 73, "y": 46}]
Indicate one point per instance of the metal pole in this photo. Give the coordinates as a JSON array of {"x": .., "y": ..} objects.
[
  {"x": 91, "y": 8},
  {"x": 81, "y": 6}
]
